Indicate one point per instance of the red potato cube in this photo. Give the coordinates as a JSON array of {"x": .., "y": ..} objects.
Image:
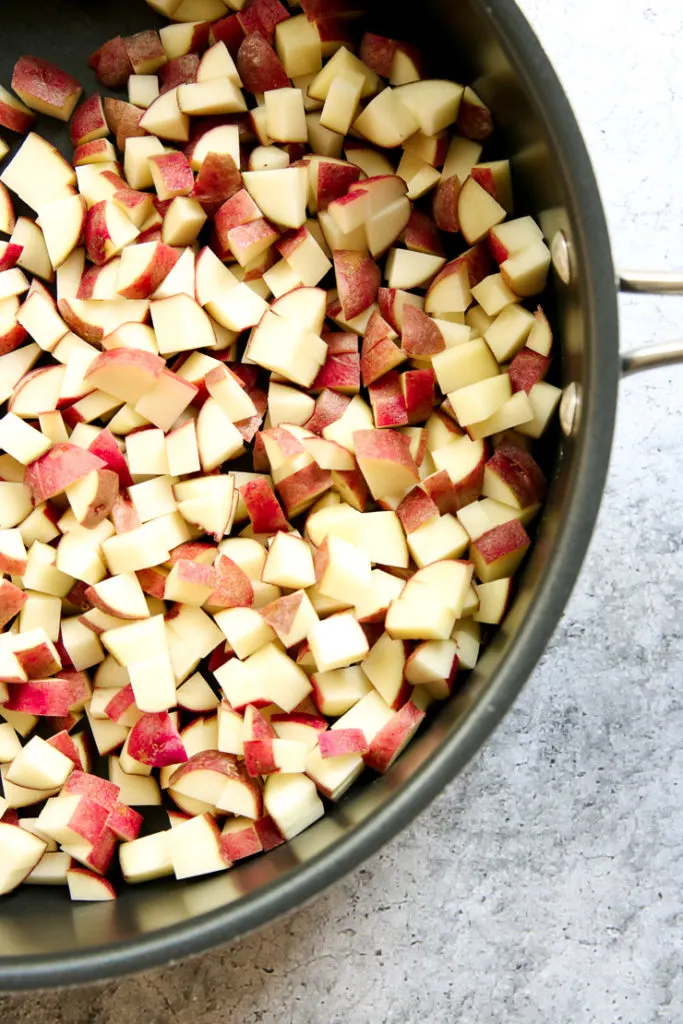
[
  {"x": 421, "y": 234},
  {"x": 474, "y": 117},
  {"x": 498, "y": 553},
  {"x": 337, "y": 742},
  {"x": 263, "y": 508},
  {"x": 91, "y": 498},
  {"x": 14, "y": 114},
  {"x": 12, "y": 600},
  {"x": 393, "y": 737},
  {"x": 259, "y": 66},
  {"x": 178, "y": 71},
  {"x": 171, "y": 175},
  {"x": 45, "y": 87},
  {"x": 141, "y": 270},
  {"x": 388, "y": 402},
  {"x": 417, "y": 509},
  {"x": 358, "y": 279},
  {"x": 107, "y": 231},
  {"x": 88, "y": 122},
  {"x": 57, "y": 469},
  {"x": 155, "y": 741},
  {"x": 111, "y": 64},
  {"x": 417, "y": 388},
  {"x": 145, "y": 52},
  {"x": 240, "y": 839}
]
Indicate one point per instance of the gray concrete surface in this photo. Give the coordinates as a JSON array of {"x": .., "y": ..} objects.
[{"x": 545, "y": 884}]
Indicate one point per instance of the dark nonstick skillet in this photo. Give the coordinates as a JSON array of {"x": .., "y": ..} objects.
[{"x": 45, "y": 940}]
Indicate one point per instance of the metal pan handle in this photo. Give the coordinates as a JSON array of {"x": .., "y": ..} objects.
[{"x": 650, "y": 357}]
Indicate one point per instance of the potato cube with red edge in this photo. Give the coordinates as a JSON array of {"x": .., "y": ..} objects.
[
  {"x": 291, "y": 616},
  {"x": 39, "y": 766},
  {"x": 190, "y": 583},
  {"x": 62, "y": 465},
  {"x": 264, "y": 510},
  {"x": 337, "y": 642},
  {"x": 245, "y": 630},
  {"x": 289, "y": 563},
  {"x": 393, "y": 737},
  {"x": 385, "y": 461},
  {"x": 92, "y": 497},
  {"x": 14, "y": 114},
  {"x": 171, "y": 175},
  {"x": 145, "y": 52},
  {"x": 13, "y": 555},
  {"x": 45, "y": 87},
  {"x": 499, "y": 552}
]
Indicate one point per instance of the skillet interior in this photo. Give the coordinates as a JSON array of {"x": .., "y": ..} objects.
[{"x": 46, "y": 941}]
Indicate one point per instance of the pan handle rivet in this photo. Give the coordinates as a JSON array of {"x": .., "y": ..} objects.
[
  {"x": 559, "y": 253},
  {"x": 570, "y": 407}
]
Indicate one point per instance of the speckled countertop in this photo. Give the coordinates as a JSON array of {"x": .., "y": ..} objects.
[{"x": 544, "y": 886}]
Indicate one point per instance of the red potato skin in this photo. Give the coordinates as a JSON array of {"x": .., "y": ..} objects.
[
  {"x": 392, "y": 735},
  {"x": 474, "y": 120},
  {"x": 521, "y": 471},
  {"x": 527, "y": 368},
  {"x": 339, "y": 373},
  {"x": 301, "y": 489},
  {"x": 259, "y": 66},
  {"x": 281, "y": 613},
  {"x": 144, "y": 49},
  {"x": 264, "y": 510},
  {"x": 123, "y": 514},
  {"x": 15, "y": 120},
  {"x": 125, "y": 822},
  {"x": 377, "y": 52},
  {"x": 195, "y": 551},
  {"x": 101, "y": 790},
  {"x": 334, "y": 181},
  {"x": 88, "y": 121},
  {"x": 268, "y": 833},
  {"x": 329, "y": 407},
  {"x": 506, "y": 537},
  {"x": 262, "y": 16},
  {"x": 445, "y": 204},
  {"x": 258, "y": 757},
  {"x": 358, "y": 280},
  {"x": 39, "y": 697},
  {"x": 387, "y": 401},
  {"x": 229, "y": 31},
  {"x": 233, "y": 586},
  {"x": 10, "y": 255},
  {"x": 104, "y": 447},
  {"x": 60, "y": 466},
  {"x": 164, "y": 260},
  {"x": 152, "y": 581},
  {"x": 218, "y": 179},
  {"x": 12, "y": 600},
  {"x": 105, "y": 496},
  {"x": 45, "y": 81},
  {"x": 422, "y": 235},
  {"x": 421, "y": 337},
  {"x": 178, "y": 71},
  {"x": 417, "y": 509},
  {"x": 238, "y": 845},
  {"x": 336, "y": 742},
  {"x": 13, "y": 339},
  {"x": 111, "y": 64},
  {"x": 155, "y": 740},
  {"x": 418, "y": 391}
]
